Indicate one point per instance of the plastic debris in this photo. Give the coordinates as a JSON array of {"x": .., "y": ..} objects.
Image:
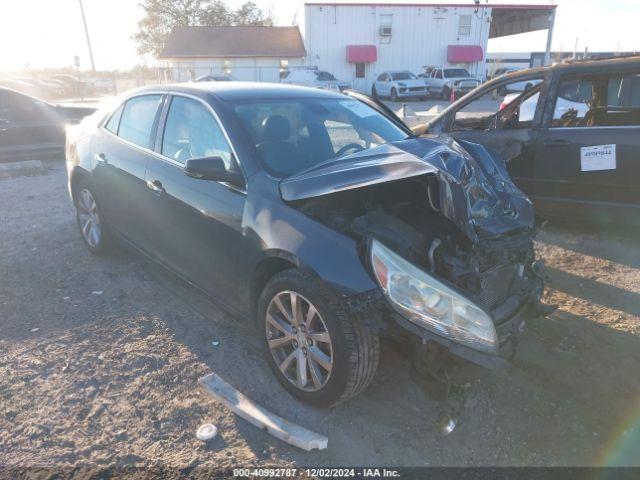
[
  {"x": 34, "y": 330},
  {"x": 215, "y": 344},
  {"x": 97, "y": 292},
  {"x": 206, "y": 432},
  {"x": 66, "y": 298},
  {"x": 447, "y": 425}
]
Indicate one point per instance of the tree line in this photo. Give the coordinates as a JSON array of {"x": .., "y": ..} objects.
[{"x": 161, "y": 16}]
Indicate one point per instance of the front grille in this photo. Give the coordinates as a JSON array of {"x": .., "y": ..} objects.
[
  {"x": 416, "y": 89},
  {"x": 496, "y": 285}
]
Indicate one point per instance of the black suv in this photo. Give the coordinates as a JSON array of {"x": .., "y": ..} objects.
[{"x": 570, "y": 135}]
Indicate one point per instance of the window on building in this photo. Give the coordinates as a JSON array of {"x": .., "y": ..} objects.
[
  {"x": 359, "y": 70},
  {"x": 386, "y": 22},
  {"x": 464, "y": 27}
]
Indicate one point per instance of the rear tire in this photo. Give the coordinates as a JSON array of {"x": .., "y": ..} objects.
[
  {"x": 446, "y": 93},
  {"x": 93, "y": 228},
  {"x": 349, "y": 347}
]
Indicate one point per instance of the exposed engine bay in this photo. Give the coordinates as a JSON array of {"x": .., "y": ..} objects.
[{"x": 465, "y": 223}]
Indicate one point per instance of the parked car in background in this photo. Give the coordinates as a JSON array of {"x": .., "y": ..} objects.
[
  {"x": 316, "y": 79},
  {"x": 319, "y": 217},
  {"x": 216, "y": 77},
  {"x": 571, "y": 141},
  {"x": 399, "y": 84},
  {"x": 498, "y": 72},
  {"x": 443, "y": 80},
  {"x": 33, "y": 128}
]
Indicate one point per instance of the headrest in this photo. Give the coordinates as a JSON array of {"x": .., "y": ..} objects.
[{"x": 275, "y": 128}]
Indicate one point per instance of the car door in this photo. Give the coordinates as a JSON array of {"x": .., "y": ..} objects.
[
  {"x": 383, "y": 86},
  {"x": 587, "y": 161},
  {"x": 121, "y": 150},
  {"x": 28, "y": 127},
  {"x": 195, "y": 224}
]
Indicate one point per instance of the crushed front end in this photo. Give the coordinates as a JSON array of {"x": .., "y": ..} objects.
[{"x": 446, "y": 235}]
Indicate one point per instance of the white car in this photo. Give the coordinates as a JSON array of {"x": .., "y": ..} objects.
[
  {"x": 442, "y": 80},
  {"x": 396, "y": 85},
  {"x": 528, "y": 107},
  {"x": 315, "y": 78}
]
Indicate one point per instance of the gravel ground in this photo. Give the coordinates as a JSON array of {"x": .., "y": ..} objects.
[{"x": 99, "y": 361}]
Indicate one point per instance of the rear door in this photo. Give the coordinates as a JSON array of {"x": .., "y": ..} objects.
[
  {"x": 121, "y": 151},
  {"x": 588, "y": 159},
  {"x": 195, "y": 225}
]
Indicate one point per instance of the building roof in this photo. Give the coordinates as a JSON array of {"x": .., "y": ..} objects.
[
  {"x": 433, "y": 4},
  {"x": 236, "y": 41}
]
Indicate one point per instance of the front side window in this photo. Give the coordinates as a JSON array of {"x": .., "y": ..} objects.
[
  {"x": 137, "y": 119},
  {"x": 291, "y": 135},
  {"x": 192, "y": 132},
  {"x": 509, "y": 106},
  {"x": 456, "y": 73}
]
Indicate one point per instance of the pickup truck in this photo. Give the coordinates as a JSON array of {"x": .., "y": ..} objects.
[
  {"x": 442, "y": 80},
  {"x": 571, "y": 141}
]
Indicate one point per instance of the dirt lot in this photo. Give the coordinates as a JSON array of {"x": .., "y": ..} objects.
[{"x": 99, "y": 359}]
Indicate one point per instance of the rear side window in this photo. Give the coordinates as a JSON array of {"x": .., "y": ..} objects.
[
  {"x": 138, "y": 116},
  {"x": 114, "y": 121}
]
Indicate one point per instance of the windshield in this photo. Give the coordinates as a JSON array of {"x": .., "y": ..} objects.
[
  {"x": 455, "y": 73},
  {"x": 403, "y": 76},
  {"x": 291, "y": 135},
  {"x": 324, "y": 76}
]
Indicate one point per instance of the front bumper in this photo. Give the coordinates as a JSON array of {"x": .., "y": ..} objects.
[
  {"x": 413, "y": 92},
  {"x": 506, "y": 331}
]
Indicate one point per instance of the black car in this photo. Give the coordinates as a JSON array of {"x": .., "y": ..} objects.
[
  {"x": 318, "y": 216},
  {"x": 570, "y": 135},
  {"x": 30, "y": 127}
]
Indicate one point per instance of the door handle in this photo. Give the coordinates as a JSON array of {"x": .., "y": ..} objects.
[
  {"x": 101, "y": 158},
  {"x": 557, "y": 143},
  {"x": 156, "y": 186}
]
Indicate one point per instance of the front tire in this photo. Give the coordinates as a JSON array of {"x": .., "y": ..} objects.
[
  {"x": 93, "y": 228},
  {"x": 320, "y": 354},
  {"x": 374, "y": 92},
  {"x": 394, "y": 95},
  {"x": 446, "y": 93}
]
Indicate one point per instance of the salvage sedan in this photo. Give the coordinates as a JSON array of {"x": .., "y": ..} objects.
[{"x": 319, "y": 216}]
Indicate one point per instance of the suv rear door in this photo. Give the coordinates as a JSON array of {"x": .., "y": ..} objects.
[{"x": 586, "y": 161}]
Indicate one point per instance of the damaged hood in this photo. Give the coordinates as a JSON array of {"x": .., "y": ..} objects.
[{"x": 475, "y": 191}]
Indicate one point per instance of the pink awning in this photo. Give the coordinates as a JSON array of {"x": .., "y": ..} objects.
[
  {"x": 361, "y": 53},
  {"x": 464, "y": 53}
]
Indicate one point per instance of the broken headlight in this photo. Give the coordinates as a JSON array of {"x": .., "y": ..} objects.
[{"x": 429, "y": 303}]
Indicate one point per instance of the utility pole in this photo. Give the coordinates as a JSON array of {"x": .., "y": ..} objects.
[{"x": 86, "y": 33}]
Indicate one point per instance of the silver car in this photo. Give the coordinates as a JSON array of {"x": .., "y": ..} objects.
[
  {"x": 316, "y": 79},
  {"x": 401, "y": 84}
]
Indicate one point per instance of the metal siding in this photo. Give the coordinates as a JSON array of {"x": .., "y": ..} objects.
[{"x": 418, "y": 38}]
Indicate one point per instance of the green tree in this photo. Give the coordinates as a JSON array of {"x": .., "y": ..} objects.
[{"x": 161, "y": 16}]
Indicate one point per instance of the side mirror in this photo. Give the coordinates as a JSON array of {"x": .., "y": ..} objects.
[{"x": 212, "y": 168}]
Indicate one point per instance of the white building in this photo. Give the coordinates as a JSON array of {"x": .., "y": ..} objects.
[
  {"x": 358, "y": 41},
  {"x": 251, "y": 53}
]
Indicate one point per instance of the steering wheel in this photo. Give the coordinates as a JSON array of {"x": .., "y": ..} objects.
[{"x": 356, "y": 147}]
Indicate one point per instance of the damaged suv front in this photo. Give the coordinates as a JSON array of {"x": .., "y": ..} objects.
[{"x": 444, "y": 232}]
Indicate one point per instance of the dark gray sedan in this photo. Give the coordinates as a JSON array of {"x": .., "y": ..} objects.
[{"x": 317, "y": 216}]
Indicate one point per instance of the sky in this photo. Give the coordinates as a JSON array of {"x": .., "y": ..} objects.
[{"x": 49, "y": 33}]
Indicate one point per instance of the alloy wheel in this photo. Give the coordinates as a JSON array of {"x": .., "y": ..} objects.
[
  {"x": 299, "y": 341},
  {"x": 88, "y": 218}
]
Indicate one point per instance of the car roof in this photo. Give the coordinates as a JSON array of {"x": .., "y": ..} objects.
[{"x": 241, "y": 90}]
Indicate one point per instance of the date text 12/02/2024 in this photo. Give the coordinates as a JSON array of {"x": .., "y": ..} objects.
[{"x": 317, "y": 472}]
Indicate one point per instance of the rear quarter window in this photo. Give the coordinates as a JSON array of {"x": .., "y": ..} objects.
[{"x": 138, "y": 116}]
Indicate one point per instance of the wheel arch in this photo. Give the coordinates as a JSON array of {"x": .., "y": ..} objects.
[
  {"x": 275, "y": 262},
  {"x": 77, "y": 175}
]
